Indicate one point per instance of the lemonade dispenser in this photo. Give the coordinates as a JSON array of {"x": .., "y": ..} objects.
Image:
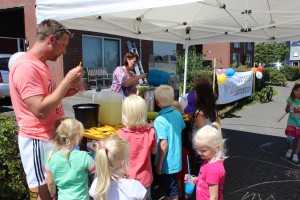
[{"x": 110, "y": 110}]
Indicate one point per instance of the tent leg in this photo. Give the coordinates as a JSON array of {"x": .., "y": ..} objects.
[{"x": 185, "y": 68}]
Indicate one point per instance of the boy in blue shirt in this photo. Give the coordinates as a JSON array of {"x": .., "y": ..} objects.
[{"x": 168, "y": 126}]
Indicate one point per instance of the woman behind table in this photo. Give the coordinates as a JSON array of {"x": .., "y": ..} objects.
[
  {"x": 124, "y": 80},
  {"x": 67, "y": 168}
]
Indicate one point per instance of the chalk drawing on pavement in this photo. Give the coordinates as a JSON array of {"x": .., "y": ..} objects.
[
  {"x": 290, "y": 162},
  {"x": 264, "y": 183},
  {"x": 263, "y": 147},
  {"x": 295, "y": 174},
  {"x": 257, "y": 196}
]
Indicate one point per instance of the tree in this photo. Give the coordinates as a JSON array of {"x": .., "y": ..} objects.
[
  {"x": 270, "y": 52},
  {"x": 195, "y": 66}
]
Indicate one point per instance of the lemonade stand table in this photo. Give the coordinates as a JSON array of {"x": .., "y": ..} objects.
[{"x": 98, "y": 133}]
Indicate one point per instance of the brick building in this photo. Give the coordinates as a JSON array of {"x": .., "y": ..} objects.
[{"x": 229, "y": 53}]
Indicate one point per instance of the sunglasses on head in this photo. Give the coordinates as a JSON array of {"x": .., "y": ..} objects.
[{"x": 62, "y": 29}]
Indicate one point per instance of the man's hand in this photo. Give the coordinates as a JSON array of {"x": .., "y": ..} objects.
[{"x": 74, "y": 76}]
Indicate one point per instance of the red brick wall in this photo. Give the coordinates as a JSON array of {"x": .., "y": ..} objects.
[{"x": 220, "y": 51}]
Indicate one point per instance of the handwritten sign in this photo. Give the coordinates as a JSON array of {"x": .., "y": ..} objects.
[{"x": 236, "y": 87}]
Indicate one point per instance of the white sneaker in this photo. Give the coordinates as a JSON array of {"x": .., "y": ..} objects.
[
  {"x": 289, "y": 153},
  {"x": 295, "y": 158}
]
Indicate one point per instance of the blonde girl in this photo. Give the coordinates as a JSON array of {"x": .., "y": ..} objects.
[
  {"x": 141, "y": 138},
  {"x": 67, "y": 168},
  {"x": 209, "y": 144},
  {"x": 292, "y": 130},
  {"x": 111, "y": 165}
]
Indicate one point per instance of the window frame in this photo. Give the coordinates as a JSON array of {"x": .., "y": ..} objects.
[
  {"x": 103, "y": 38},
  {"x": 236, "y": 45}
]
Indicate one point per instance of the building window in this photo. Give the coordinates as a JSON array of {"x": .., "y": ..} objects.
[
  {"x": 248, "y": 59},
  {"x": 295, "y": 54},
  {"x": 236, "y": 59},
  {"x": 101, "y": 52},
  {"x": 295, "y": 63},
  {"x": 249, "y": 46},
  {"x": 236, "y": 45}
]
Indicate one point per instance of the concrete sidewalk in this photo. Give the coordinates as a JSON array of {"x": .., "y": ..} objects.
[
  {"x": 68, "y": 102},
  {"x": 262, "y": 118}
]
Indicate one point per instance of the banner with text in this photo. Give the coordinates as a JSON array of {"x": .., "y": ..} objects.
[{"x": 236, "y": 87}]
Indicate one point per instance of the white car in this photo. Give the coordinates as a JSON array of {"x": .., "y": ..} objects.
[
  {"x": 4, "y": 74},
  {"x": 276, "y": 65}
]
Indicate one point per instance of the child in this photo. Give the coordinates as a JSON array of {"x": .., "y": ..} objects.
[
  {"x": 111, "y": 163},
  {"x": 205, "y": 113},
  {"x": 293, "y": 125},
  {"x": 168, "y": 126},
  {"x": 66, "y": 167},
  {"x": 206, "y": 109},
  {"x": 209, "y": 144},
  {"x": 141, "y": 138}
]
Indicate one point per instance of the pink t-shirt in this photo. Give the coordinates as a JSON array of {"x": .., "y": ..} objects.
[
  {"x": 141, "y": 140},
  {"x": 30, "y": 77},
  {"x": 210, "y": 173}
]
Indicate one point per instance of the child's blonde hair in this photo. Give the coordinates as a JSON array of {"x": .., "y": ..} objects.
[
  {"x": 164, "y": 94},
  {"x": 211, "y": 136},
  {"x": 111, "y": 163},
  {"x": 67, "y": 133},
  {"x": 177, "y": 106},
  {"x": 134, "y": 111}
]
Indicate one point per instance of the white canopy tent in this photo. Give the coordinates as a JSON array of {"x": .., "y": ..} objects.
[{"x": 187, "y": 22}]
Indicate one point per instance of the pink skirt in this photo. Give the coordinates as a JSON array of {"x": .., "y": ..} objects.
[{"x": 293, "y": 131}]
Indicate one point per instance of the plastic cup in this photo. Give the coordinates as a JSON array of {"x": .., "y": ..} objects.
[{"x": 189, "y": 187}]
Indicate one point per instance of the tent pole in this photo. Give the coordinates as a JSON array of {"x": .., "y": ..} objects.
[
  {"x": 185, "y": 68},
  {"x": 253, "y": 77},
  {"x": 214, "y": 75}
]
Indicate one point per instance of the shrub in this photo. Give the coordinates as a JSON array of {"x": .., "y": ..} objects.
[
  {"x": 291, "y": 73},
  {"x": 275, "y": 77},
  {"x": 12, "y": 176}
]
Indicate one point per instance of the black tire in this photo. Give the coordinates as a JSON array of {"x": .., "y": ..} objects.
[
  {"x": 263, "y": 97},
  {"x": 270, "y": 94}
]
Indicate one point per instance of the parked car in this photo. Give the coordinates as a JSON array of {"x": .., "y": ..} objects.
[
  {"x": 4, "y": 74},
  {"x": 277, "y": 65}
]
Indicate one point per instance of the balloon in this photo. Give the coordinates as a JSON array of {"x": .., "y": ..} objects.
[
  {"x": 222, "y": 78},
  {"x": 260, "y": 68},
  {"x": 254, "y": 69},
  {"x": 223, "y": 71},
  {"x": 229, "y": 72},
  {"x": 259, "y": 75},
  {"x": 13, "y": 58}
]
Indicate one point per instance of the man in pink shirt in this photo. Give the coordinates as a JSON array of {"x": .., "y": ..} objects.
[{"x": 37, "y": 100}]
